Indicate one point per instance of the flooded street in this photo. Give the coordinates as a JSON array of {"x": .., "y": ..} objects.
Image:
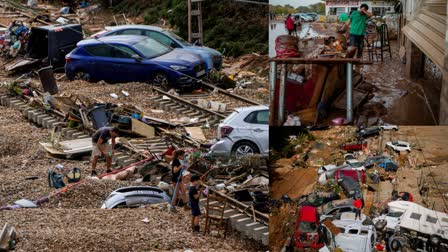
[{"x": 395, "y": 99}]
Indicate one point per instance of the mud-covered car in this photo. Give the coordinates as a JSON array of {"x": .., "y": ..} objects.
[
  {"x": 317, "y": 198},
  {"x": 135, "y": 196},
  {"x": 307, "y": 228}
]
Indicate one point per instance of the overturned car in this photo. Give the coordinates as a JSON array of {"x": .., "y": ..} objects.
[{"x": 414, "y": 226}]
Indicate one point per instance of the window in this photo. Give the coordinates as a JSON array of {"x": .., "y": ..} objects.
[
  {"x": 131, "y": 32},
  {"x": 415, "y": 216},
  {"x": 151, "y": 48},
  {"x": 364, "y": 232},
  {"x": 161, "y": 38},
  {"x": 431, "y": 219},
  {"x": 101, "y": 50},
  {"x": 178, "y": 38},
  {"x": 395, "y": 214},
  {"x": 123, "y": 52},
  {"x": 342, "y": 230},
  {"x": 258, "y": 117},
  {"x": 353, "y": 231}
]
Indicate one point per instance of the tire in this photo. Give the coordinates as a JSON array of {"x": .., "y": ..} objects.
[
  {"x": 160, "y": 79},
  {"x": 244, "y": 148},
  {"x": 81, "y": 75}
]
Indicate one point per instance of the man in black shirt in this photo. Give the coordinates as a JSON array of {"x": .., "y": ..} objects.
[
  {"x": 102, "y": 147},
  {"x": 194, "y": 203}
]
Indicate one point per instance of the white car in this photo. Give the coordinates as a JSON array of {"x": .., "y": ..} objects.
[
  {"x": 355, "y": 164},
  {"x": 326, "y": 168},
  {"x": 399, "y": 146},
  {"x": 349, "y": 156},
  {"x": 388, "y": 126},
  {"x": 245, "y": 131}
]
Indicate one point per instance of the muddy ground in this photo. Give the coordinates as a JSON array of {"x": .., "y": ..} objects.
[
  {"x": 428, "y": 160},
  {"x": 73, "y": 221}
]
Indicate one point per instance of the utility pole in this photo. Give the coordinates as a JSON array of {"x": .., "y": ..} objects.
[{"x": 196, "y": 12}]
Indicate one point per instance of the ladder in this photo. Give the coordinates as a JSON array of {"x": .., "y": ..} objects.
[{"x": 196, "y": 35}]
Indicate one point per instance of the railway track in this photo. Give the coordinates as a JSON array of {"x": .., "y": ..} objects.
[
  {"x": 122, "y": 157},
  {"x": 249, "y": 222},
  {"x": 186, "y": 104}
]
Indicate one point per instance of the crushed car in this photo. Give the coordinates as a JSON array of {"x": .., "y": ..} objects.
[
  {"x": 307, "y": 228},
  {"x": 416, "y": 227},
  {"x": 352, "y": 236},
  {"x": 135, "y": 196}
]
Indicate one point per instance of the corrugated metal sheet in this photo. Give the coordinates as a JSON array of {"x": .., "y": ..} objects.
[{"x": 427, "y": 30}]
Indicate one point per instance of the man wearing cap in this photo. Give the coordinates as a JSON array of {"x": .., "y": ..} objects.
[{"x": 101, "y": 146}]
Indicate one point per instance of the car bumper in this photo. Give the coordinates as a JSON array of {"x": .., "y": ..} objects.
[
  {"x": 222, "y": 148},
  {"x": 187, "y": 81}
]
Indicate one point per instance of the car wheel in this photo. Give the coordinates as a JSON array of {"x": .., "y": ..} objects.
[
  {"x": 395, "y": 129},
  {"x": 161, "y": 80},
  {"x": 244, "y": 148},
  {"x": 81, "y": 75}
]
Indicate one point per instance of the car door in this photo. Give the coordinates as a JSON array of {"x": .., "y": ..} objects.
[
  {"x": 101, "y": 63},
  {"x": 162, "y": 38},
  {"x": 127, "y": 67},
  {"x": 258, "y": 125}
]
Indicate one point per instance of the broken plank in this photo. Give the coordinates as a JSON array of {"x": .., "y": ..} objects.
[
  {"x": 195, "y": 133},
  {"x": 142, "y": 128}
]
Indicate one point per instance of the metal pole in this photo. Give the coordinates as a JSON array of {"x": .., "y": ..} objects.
[
  {"x": 189, "y": 20},
  {"x": 281, "y": 96},
  {"x": 349, "y": 92},
  {"x": 272, "y": 82}
]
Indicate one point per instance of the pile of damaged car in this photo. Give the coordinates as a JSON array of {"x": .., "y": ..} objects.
[{"x": 352, "y": 192}]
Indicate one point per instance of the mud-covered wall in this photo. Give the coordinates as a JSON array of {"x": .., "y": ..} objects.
[{"x": 443, "y": 115}]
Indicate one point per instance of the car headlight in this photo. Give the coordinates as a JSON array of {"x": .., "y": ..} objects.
[{"x": 177, "y": 67}]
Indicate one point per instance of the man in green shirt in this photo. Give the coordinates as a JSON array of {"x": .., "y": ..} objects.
[{"x": 357, "y": 23}]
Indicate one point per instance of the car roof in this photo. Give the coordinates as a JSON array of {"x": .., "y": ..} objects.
[
  {"x": 308, "y": 214},
  {"x": 123, "y": 39},
  {"x": 146, "y": 27},
  {"x": 252, "y": 108}
]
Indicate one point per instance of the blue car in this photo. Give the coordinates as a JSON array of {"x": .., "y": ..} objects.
[
  {"x": 134, "y": 59},
  {"x": 212, "y": 58}
]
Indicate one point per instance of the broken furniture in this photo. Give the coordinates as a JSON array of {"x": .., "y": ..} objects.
[
  {"x": 48, "y": 81},
  {"x": 382, "y": 43},
  {"x": 53, "y": 42},
  {"x": 7, "y": 238},
  {"x": 277, "y": 97},
  {"x": 214, "y": 214}
]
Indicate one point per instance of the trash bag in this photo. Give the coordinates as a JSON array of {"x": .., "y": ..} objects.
[{"x": 55, "y": 180}]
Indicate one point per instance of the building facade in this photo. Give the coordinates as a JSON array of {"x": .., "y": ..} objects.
[{"x": 336, "y": 7}]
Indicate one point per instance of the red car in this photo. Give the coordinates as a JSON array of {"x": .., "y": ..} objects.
[
  {"x": 354, "y": 146},
  {"x": 348, "y": 172},
  {"x": 307, "y": 235}
]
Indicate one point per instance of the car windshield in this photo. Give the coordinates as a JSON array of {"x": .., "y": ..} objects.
[
  {"x": 356, "y": 164},
  {"x": 307, "y": 226},
  {"x": 151, "y": 48},
  {"x": 178, "y": 38}
]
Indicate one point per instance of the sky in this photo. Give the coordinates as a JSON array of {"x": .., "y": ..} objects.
[{"x": 294, "y": 3}]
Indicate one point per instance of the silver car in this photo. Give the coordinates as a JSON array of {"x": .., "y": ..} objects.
[{"x": 245, "y": 131}]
